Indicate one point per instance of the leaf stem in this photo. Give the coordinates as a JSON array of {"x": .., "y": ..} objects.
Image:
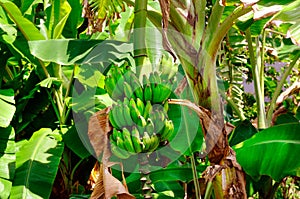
[
  {"x": 195, "y": 178},
  {"x": 223, "y": 28},
  {"x": 64, "y": 114},
  {"x": 208, "y": 190},
  {"x": 256, "y": 78},
  {"x": 279, "y": 87}
]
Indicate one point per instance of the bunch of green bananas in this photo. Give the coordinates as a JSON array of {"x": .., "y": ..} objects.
[
  {"x": 138, "y": 127},
  {"x": 122, "y": 82},
  {"x": 139, "y": 117}
]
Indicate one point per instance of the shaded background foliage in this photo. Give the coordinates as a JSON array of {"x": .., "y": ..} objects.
[{"x": 47, "y": 46}]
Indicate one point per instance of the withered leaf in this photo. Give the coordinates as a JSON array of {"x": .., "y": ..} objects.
[
  {"x": 106, "y": 185},
  {"x": 98, "y": 129},
  {"x": 265, "y": 12}
]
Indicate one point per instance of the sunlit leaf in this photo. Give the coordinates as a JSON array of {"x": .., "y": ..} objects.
[
  {"x": 273, "y": 152},
  {"x": 68, "y": 52},
  {"x": 27, "y": 28},
  {"x": 7, "y": 108},
  {"x": 57, "y": 14},
  {"x": 7, "y": 160},
  {"x": 36, "y": 165}
]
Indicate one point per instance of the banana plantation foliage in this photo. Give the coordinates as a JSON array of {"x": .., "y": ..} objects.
[{"x": 149, "y": 99}]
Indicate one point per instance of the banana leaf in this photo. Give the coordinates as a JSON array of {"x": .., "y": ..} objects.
[
  {"x": 37, "y": 164},
  {"x": 7, "y": 108},
  {"x": 7, "y": 160},
  {"x": 273, "y": 152},
  {"x": 27, "y": 28}
]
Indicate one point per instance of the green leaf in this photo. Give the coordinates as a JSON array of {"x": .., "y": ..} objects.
[
  {"x": 48, "y": 82},
  {"x": 27, "y": 28},
  {"x": 188, "y": 136},
  {"x": 73, "y": 141},
  {"x": 57, "y": 15},
  {"x": 74, "y": 20},
  {"x": 68, "y": 52},
  {"x": 286, "y": 118},
  {"x": 7, "y": 160},
  {"x": 273, "y": 152},
  {"x": 242, "y": 132},
  {"x": 289, "y": 14},
  {"x": 7, "y": 109},
  {"x": 27, "y": 5},
  {"x": 174, "y": 173},
  {"x": 10, "y": 32},
  {"x": 37, "y": 165}
]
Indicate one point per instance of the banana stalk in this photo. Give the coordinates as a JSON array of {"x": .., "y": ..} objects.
[
  {"x": 140, "y": 15},
  {"x": 145, "y": 178}
]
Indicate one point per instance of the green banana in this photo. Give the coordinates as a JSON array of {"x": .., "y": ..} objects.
[
  {"x": 166, "y": 107},
  {"x": 127, "y": 140},
  {"x": 157, "y": 77},
  {"x": 152, "y": 79},
  {"x": 120, "y": 143},
  {"x": 128, "y": 91},
  {"x": 150, "y": 126},
  {"x": 135, "y": 137},
  {"x": 120, "y": 80},
  {"x": 140, "y": 105},
  {"x": 167, "y": 131},
  {"x": 118, "y": 152},
  {"x": 114, "y": 134},
  {"x": 148, "y": 109},
  {"x": 148, "y": 93},
  {"x": 142, "y": 121},
  {"x": 112, "y": 119},
  {"x": 145, "y": 80},
  {"x": 165, "y": 92},
  {"x": 154, "y": 139},
  {"x": 137, "y": 89},
  {"x": 127, "y": 115},
  {"x": 116, "y": 117},
  {"x": 156, "y": 93},
  {"x": 112, "y": 89},
  {"x": 158, "y": 118},
  {"x": 126, "y": 101},
  {"x": 134, "y": 112},
  {"x": 119, "y": 115},
  {"x": 146, "y": 142}
]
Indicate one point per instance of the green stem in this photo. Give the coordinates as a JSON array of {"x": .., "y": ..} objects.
[
  {"x": 213, "y": 25},
  {"x": 235, "y": 108},
  {"x": 195, "y": 178},
  {"x": 222, "y": 30},
  {"x": 256, "y": 78},
  {"x": 54, "y": 107},
  {"x": 208, "y": 190},
  {"x": 262, "y": 60},
  {"x": 279, "y": 87},
  {"x": 74, "y": 169},
  {"x": 64, "y": 113},
  {"x": 140, "y": 16}
]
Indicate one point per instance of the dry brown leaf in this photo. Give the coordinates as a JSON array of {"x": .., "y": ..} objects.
[
  {"x": 106, "y": 185},
  {"x": 294, "y": 88},
  {"x": 248, "y": 3},
  {"x": 98, "y": 129},
  {"x": 265, "y": 12}
]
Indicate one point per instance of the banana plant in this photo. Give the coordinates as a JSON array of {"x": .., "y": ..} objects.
[
  {"x": 194, "y": 34},
  {"x": 197, "y": 47}
]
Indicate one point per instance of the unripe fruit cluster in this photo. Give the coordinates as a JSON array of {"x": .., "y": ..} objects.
[{"x": 139, "y": 117}]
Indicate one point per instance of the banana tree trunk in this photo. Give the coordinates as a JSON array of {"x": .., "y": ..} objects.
[{"x": 198, "y": 58}]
